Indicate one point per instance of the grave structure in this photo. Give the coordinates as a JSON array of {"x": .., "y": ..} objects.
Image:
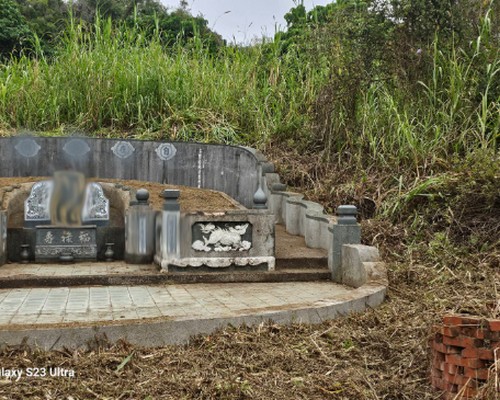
[
  {"x": 263, "y": 233},
  {"x": 65, "y": 218}
]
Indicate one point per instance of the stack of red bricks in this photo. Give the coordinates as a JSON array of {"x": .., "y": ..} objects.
[{"x": 465, "y": 355}]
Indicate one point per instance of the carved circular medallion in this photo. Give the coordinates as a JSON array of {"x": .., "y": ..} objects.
[
  {"x": 166, "y": 151},
  {"x": 123, "y": 149},
  {"x": 76, "y": 147}
]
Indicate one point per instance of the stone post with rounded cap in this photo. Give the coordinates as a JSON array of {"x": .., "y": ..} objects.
[
  {"x": 168, "y": 229},
  {"x": 140, "y": 230},
  {"x": 345, "y": 231}
]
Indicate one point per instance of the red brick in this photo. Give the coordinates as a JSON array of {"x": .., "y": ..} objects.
[
  {"x": 461, "y": 319},
  {"x": 439, "y": 347},
  {"x": 464, "y": 362},
  {"x": 479, "y": 333},
  {"x": 444, "y": 349},
  {"x": 452, "y": 369},
  {"x": 451, "y": 387},
  {"x": 437, "y": 383},
  {"x": 436, "y": 373},
  {"x": 477, "y": 373},
  {"x": 462, "y": 341},
  {"x": 439, "y": 365},
  {"x": 452, "y": 320},
  {"x": 494, "y": 325},
  {"x": 481, "y": 353},
  {"x": 438, "y": 337},
  {"x": 467, "y": 392},
  {"x": 460, "y": 380},
  {"x": 495, "y": 345},
  {"x": 455, "y": 379},
  {"x": 450, "y": 331}
]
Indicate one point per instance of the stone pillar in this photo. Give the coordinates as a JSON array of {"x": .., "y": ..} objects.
[
  {"x": 3, "y": 237},
  {"x": 169, "y": 221},
  {"x": 345, "y": 231},
  {"x": 140, "y": 230}
]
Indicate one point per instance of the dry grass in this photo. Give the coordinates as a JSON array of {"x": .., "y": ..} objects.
[{"x": 381, "y": 354}]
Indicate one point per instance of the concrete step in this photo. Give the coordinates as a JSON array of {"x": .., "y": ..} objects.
[
  {"x": 301, "y": 263},
  {"x": 292, "y": 252},
  {"x": 283, "y": 275}
]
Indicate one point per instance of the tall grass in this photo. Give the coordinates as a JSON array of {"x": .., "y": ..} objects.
[
  {"x": 106, "y": 76},
  {"x": 416, "y": 126},
  {"x": 115, "y": 78}
]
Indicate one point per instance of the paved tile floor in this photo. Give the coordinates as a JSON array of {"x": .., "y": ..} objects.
[
  {"x": 115, "y": 303},
  {"x": 81, "y": 268}
]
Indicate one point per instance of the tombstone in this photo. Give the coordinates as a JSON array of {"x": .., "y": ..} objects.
[
  {"x": 65, "y": 213},
  {"x": 67, "y": 198},
  {"x": 66, "y": 201}
]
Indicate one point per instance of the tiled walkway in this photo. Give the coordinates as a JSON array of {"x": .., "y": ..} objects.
[
  {"x": 81, "y": 268},
  {"x": 118, "y": 303}
]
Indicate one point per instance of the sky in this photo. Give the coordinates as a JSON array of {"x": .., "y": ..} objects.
[{"x": 241, "y": 21}]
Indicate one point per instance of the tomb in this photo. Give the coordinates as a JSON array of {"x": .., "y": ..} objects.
[
  {"x": 66, "y": 218},
  {"x": 210, "y": 214}
]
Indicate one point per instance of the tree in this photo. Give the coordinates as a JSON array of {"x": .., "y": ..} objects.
[
  {"x": 177, "y": 26},
  {"x": 114, "y": 9},
  {"x": 13, "y": 27},
  {"x": 46, "y": 19}
]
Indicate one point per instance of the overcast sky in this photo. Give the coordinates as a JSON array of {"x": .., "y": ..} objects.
[{"x": 246, "y": 19}]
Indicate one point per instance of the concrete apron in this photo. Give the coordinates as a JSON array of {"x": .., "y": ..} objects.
[{"x": 171, "y": 314}]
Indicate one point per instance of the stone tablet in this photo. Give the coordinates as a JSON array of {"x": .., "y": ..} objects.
[
  {"x": 222, "y": 236},
  {"x": 66, "y": 201},
  {"x": 96, "y": 206},
  {"x": 52, "y": 242}
]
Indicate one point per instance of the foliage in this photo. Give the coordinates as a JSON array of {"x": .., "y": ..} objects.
[
  {"x": 88, "y": 10},
  {"x": 178, "y": 26},
  {"x": 345, "y": 80},
  {"x": 115, "y": 77},
  {"x": 13, "y": 27},
  {"x": 393, "y": 104},
  {"x": 46, "y": 19}
]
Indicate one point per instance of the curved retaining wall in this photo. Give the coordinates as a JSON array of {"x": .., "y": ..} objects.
[
  {"x": 236, "y": 171},
  {"x": 229, "y": 169}
]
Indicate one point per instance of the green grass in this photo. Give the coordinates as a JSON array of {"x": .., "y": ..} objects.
[
  {"x": 110, "y": 80},
  {"x": 114, "y": 78}
]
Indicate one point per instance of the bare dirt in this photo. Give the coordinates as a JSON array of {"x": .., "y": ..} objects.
[{"x": 190, "y": 200}]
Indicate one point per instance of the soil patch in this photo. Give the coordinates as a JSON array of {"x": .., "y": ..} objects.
[{"x": 191, "y": 199}]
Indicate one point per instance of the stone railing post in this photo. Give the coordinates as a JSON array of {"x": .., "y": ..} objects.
[
  {"x": 140, "y": 230},
  {"x": 169, "y": 243},
  {"x": 345, "y": 231}
]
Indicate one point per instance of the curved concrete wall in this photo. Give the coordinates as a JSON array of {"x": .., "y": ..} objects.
[{"x": 230, "y": 169}]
